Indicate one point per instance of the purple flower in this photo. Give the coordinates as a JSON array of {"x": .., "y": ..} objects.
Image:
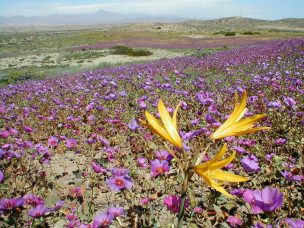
[
  {"x": 289, "y": 102},
  {"x": 98, "y": 168},
  {"x": 71, "y": 143},
  {"x": 142, "y": 162},
  {"x": 163, "y": 155},
  {"x": 11, "y": 204},
  {"x": 268, "y": 199},
  {"x": 240, "y": 150},
  {"x": 173, "y": 202},
  {"x": 102, "y": 220},
  {"x": 291, "y": 177},
  {"x": 269, "y": 157},
  {"x": 53, "y": 141},
  {"x": 28, "y": 129},
  {"x": 38, "y": 211},
  {"x": 116, "y": 211},
  {"x": 4, "y": 134},
  {"x": 209, "y": 119},
  {"x": 33, "y": 200},
  {"x": 118, "y": 183},
  {"x": 58, "y": 205},
  {"x": 1, "y": 176},
  {"x": 294, "y": 223},
  {"x": 234, "y": 221},
  {"x": 119, "y": 171},
  {"x": 250, "y": 164},
  {"x": 159, "y": 167},
  {"x": 265, "y": 200},
  {"x": 238, "y": 192},
  {"x": 280, "y": 141},
  {"x": 274, "y": 104},
  {"x": 133, "y": 125}
]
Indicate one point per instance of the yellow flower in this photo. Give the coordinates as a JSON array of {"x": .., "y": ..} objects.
[
  {"x": 167, "y": 130},
  {"x": 234, "y": 126},
  {"x": 213, "y": 175}
]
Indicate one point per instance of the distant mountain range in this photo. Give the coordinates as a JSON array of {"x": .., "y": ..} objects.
[{"x": 101, "y": 17}]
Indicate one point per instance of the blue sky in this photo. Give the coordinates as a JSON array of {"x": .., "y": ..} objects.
[{"x": 267, "y": 9}]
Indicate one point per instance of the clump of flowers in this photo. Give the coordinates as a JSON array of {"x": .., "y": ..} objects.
[{"x": 211, "y": 171}]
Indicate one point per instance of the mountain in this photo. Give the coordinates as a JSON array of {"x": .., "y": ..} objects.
[{"x": 101, "y": 17}]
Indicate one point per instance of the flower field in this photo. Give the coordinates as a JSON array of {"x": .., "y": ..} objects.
[{"x": 189, "y": 142}]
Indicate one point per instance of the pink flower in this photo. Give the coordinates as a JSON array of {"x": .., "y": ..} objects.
[
  {"x": 142, "y": 162},
  {"x": 98, "y": 168},
  {"x": 173, "y": 203},
  {"x": 159, "y": 167},
  {"x": 71, "y": 143},
  {"x": 53, "y": 141},
  {"x": 234, "y": 221}
]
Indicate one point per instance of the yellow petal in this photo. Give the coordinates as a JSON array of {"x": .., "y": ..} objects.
[
  {"x": 157, "y": 127},
  {"x": 168, "y": 123},
  {"x": 237, "y": 114},
  {"x": 205, "y": 178},
  {"x": 219, "y": 155},
  {"x": 251, "y": 131},
  {"x": 175, "y": 114},
  {"x": 220, "y": 189},
  {"x": 202, "y": 168},
  {"x": 239, "y": 126},
  {"x": 221, "y": 164},
  {"x": 227, "y": 177}
]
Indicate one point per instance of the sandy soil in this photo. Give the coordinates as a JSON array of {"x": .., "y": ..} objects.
[{"x": 55, "y": 59}]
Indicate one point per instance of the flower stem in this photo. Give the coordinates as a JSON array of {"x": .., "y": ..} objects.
[{"x": 183, "y": 199}]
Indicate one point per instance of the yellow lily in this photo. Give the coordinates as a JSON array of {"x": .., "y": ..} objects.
[
  {"x": 167, "y": 130},
  {"x": 213, "y": 175},
  {"x": 234, "y": 126}
]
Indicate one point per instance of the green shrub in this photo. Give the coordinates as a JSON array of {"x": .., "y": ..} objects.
[
  {"x": 121, "y": 50},
  {"x": 124, "y": 50},
  {"x": 230, "y": 33},
  {"x": 249, "y": 33}
]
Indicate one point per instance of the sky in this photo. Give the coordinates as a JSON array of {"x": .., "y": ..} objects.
[{"x": 193, "y": 9}]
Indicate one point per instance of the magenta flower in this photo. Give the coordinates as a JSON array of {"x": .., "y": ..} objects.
[
  {"x": 98, "y": 168},
  {"x": 250, "y": 164},
  {"x": 71, "y": 143},
  {"x": 4, "y": 134},
  {"x": 144, "y": 201},
  {"x": 159, "y": 167},
  {"x": 11, "y": 204},
  {"x": 118, "y": 183},
  {"x": 53, "y": 141},
  {"x": 173, "y": 202},
  {"x": 294, "y": 223},
  {"x": 198, "y": 210},
  {"x": 1, "y": 176},
  {"x": 280, "y": 141},
  {"x": 102, "y": 220},
  {"x": 33, "y": 200},
  {"x": 234, "y": 221},
  {"x": 38, "y": 211}
]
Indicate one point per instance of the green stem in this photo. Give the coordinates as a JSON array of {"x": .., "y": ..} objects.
[{"x": 183, "y": 199}]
